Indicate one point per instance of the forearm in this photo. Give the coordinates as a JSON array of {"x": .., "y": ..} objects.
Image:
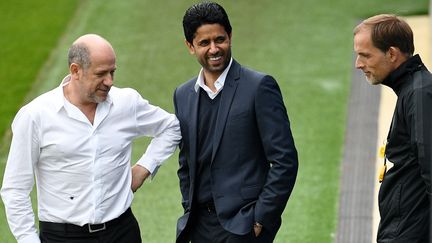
[
  {"x": 165, "y": 130},
  {"x": 276, "y": 192},
  {"x": 421, "y": 132},
  {"x": 160, "y": 149},
  {"x": 19, "y": 212},
  {"x": 278, "y": 144},
  {"x": 18, "y": 178},
  {"x": 184, "y": 179}
]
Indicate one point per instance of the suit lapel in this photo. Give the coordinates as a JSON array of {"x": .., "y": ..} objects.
[
  {"x": 227, "y": 96},
  {"x": 193, "y": 129}
]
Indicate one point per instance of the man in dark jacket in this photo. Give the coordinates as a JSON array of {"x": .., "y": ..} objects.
[
  {"x": 384, "y": 47},
  {"x": 238, "y": 162}
]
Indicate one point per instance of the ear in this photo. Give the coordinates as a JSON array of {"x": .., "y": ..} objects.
[
  {"x": 394, "y": 54},
  {"x": 190, "y": 47},
  {"x": 74, "y": 70}
]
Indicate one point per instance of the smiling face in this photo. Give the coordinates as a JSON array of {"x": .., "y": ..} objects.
[
  {"x": 212, "y": 47},
  {"x": 375, "y": 64}
]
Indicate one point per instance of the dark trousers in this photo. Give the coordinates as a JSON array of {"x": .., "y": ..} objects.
[
  {"x": 124, "y": 229},
  {"x": 205, "y": 228}
]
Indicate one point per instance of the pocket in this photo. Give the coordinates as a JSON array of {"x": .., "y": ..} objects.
[{"x": 389, "y": 205}]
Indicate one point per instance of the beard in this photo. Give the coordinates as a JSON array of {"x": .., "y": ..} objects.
[
  {"x": 226, "y": 57},
  {"x": 372, "y": 79}
]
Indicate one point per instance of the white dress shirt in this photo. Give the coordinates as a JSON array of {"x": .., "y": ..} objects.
[
  {"x": 82, "y": 170},
  {"x": 219, "y": 83}
]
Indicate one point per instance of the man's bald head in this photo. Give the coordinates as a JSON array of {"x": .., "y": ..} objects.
[{"x": 85, "y": 46}]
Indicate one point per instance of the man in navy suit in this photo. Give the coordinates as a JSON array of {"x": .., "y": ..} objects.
[{"x": 238, "y": 162}]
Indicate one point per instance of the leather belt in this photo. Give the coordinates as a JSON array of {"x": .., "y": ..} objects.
[{"x": 87, "y": 228}]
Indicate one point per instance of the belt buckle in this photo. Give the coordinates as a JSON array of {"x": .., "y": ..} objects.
[{"x": 91, "y": 230}]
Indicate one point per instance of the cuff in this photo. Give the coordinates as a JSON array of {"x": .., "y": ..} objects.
[
  {"x": 151, "y": 166},
  {"x": 33, "y": 238}
]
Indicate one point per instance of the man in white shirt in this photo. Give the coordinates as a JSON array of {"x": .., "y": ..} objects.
[{"x": 75, "y": 140}]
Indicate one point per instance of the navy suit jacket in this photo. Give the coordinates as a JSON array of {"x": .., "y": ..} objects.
[{"x": 254, "y": 160}]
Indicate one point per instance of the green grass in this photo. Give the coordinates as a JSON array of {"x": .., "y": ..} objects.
[
  {"x": 306, "y": 45},
  {"x": 29, "y": 30}
]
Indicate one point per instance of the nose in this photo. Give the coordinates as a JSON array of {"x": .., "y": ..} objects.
[
  {"x": 358, "y": 63},
  {"x": 108, "y": 80},
  {"x": 213, "y": 48}
]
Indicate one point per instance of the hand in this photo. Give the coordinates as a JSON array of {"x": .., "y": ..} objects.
[
  {"x": 257, "y": 229},
  {"x": 139, "y": 174}
]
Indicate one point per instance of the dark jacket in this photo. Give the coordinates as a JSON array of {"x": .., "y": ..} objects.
[
  {"x": 404, "y": 197},
  {"x": 254, "y": 160}
]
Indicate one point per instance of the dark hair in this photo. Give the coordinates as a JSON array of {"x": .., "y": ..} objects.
[
  {"x": 79, "y": 54},
  {"x": 389, "y": 30},
  {"x": 204, "y": 13}
]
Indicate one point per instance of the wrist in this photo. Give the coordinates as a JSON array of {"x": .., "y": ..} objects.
[
  {"x": 257, "y": 225},
  {"x": 143, "y": 172},
  {"x": 257, "y": 228}
]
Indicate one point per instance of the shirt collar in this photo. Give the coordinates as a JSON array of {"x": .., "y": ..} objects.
[
  {"x": 219, "y": 82},
  {"x": 60, "y": 98}
]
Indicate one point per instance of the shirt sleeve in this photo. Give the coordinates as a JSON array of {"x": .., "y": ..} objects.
[
  {"x": 164, "y": 127},
  {"x": 278, "y": 144},
  {"x": 18, "y": 179},
  {"x": 420, "y": 120}
]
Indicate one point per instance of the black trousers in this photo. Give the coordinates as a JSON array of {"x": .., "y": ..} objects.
[
  {"x": 205, "y": 228},
  {"x": 124, "y": 229}
]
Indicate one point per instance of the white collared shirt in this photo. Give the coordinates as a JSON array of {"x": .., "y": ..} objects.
[
  {"x": 82, "y": 170},
  {"x": 219, "y": 83}
]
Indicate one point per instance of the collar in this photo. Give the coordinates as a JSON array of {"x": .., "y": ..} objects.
[
  {"x": 60, "y": 99},
  {"x": 395, "y": 79},
  {"x": 220, "y": 81}
]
